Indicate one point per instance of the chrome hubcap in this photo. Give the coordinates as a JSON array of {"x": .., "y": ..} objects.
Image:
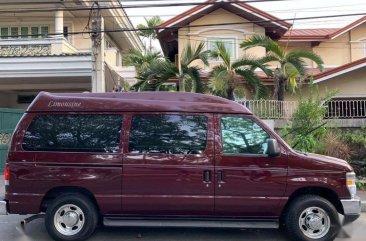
[
  {"x": 69, "y": 219},
  {"x": 314, "y": 222}
]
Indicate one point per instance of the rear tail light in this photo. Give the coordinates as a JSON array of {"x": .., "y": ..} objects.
[{"x": 6, "y": 175}]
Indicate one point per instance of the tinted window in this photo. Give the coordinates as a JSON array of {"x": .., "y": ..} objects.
[
  {"x": 74, "y": 133},
  {"x": 241, "y": 135},
  {"x": 170, "y": 134}
]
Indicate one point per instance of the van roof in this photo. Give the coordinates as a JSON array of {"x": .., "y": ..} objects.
[{"x": 132, "y": 101}]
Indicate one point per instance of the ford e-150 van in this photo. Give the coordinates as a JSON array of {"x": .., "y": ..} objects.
[{"x": 171, "y": 160}]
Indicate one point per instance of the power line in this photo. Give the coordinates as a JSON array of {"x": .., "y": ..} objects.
[
  {"x": 188, "y": 15},
  {"x": 208, "y": 25},
  {"x": 27, "y": 10}
]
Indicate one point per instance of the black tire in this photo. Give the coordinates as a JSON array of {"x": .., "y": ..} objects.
[
  {"x": 295, "y": 214},
  {"x": 81, "y": 210}
]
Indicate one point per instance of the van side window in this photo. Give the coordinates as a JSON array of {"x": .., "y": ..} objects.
[
  {"x": 74, "y": 133},
  {"x": 169, "y": 134},
  {"x": 242, "y": 136}
]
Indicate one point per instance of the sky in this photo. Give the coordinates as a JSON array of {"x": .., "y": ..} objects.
[{"x": 283, "y": 9}]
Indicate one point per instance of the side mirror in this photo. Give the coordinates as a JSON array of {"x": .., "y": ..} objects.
[{"x": 273, "y": 148}]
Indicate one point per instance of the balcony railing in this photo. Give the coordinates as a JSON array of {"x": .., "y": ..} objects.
[
  {"x": 35, "y": 47},
  {"x": 336, "y": 109},
  {"x": 271, "y": 109},
  {"x": 346, "y": 109}
]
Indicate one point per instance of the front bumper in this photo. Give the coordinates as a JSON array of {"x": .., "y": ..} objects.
[
  {"x": 351, "y": 208},
  {"x": 3, "y": 208}
]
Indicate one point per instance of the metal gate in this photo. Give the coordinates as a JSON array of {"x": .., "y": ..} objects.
[{"x": 8, "y": 120}]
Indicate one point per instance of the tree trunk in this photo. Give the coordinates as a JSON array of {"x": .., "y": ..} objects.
[
  {"x": 182, "y": 84},
  {"x": 279, "y": 90},
  {"x": 230, "y": 93},
  {"x": 150, "y": 44}
]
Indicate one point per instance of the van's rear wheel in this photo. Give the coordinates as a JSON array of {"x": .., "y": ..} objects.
[
  {"x": 71, "y": 217},
  {"x": 311, "y": 218}
]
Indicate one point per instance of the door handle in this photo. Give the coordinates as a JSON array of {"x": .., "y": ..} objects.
[
  {"x": 220, "y": 178},
  {"x": 207, "y": 176}
]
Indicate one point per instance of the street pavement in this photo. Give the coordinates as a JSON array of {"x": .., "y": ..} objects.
[{"x": 11, "y": 230}]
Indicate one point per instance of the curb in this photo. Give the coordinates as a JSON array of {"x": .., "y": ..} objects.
[{"x": 363, "y": 206}]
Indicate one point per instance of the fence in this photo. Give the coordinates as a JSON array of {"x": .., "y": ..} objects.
[
  {"x": 336, "y": 109},
  {"x": 346, "y": 109},
  {"x": 271, "y": 109}
]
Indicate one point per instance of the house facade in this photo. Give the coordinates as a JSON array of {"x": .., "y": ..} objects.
[
  {"x": 47, "y": 46},
  {"x": 343, "y": 50}
]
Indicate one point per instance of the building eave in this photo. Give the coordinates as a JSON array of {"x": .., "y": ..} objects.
[
  {"x": 340, "y": 70},
  {"x": 45, "y": 66}
]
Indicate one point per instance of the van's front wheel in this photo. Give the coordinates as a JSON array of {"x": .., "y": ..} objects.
[
  {"x": 71, "y": 217},
  {"x": 311, "y": 218}
]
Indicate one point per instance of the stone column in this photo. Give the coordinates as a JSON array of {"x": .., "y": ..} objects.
[{"x": 59, "y": 23}]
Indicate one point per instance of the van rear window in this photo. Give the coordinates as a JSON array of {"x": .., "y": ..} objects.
[
  {"x": 74, "y": 133},
  {"x": 168, "y": 134}
]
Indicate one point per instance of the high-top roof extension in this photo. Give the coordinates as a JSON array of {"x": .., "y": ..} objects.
[{"x": 141, "y": 102}]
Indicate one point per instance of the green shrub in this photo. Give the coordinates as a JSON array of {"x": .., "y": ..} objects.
[{"x": 308, "y": 126}]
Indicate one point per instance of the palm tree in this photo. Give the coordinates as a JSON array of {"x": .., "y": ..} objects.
[
  {"x": 291, "y": 63},
  {"x": 148, "y": 30},
  {"x": 187, "y": 74},
  {"x": 140, "y": 60},
  {"x": 226, "y": 78}
]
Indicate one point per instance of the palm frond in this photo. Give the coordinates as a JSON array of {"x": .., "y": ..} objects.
[
  {"x": 191, "y": 53},
  {"x": 255, "y": 82},
  {"x": 291, "y": 73},
  {"x": 252, "y": 63},
  {"x": 306, "y": 54},
  {"x": 263, "y": 41},
  {"x": 196, "y": 81},
  {"x": 136, "y": 58},
  {"x": 148, "y": 31},
  {"x": 220, "y": 52},
  {"x": 269, "y": 58},
  {"x": 218, "y": 80},
  {"x": 298, "y": 64}
]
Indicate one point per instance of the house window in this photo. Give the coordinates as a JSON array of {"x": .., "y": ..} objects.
[
  {"x": 108, "y": 45},
  {"x": 66, "y": 32},
  {"x": 230, "y": 45},
  {"x": 34, "y": 32},
  {"x": 4, "y": 33},
  {"x": 14, "y": 31},
  {"x": 44, "y": 31},
  {"x": 24, "y": 32}
]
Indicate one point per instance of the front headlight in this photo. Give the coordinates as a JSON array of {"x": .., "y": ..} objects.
[{"x": 351, "y": 183}]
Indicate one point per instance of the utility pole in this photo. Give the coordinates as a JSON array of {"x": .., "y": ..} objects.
[{"x": 97, "y": 37}]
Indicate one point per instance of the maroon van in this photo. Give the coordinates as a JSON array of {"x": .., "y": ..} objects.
[{"x": 170, "y": 160}]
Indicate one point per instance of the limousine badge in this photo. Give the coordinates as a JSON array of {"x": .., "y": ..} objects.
[{"x": 63, "y": 104}]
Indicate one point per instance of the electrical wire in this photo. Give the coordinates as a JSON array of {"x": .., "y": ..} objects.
[
  {"x": 211, "y": 25},
  {"x": 53, "y": 9}
]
